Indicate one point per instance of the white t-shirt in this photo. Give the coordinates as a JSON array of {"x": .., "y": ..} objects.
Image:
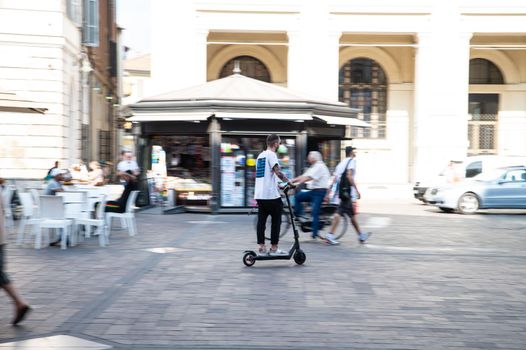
[
  {"x": 320, "y": 176},
  {"x": 266, "y": 179},
  {"x": 341, "y": 165},
  {"x": 340, "y": 168},
  {"x": 125, "y": 165}
]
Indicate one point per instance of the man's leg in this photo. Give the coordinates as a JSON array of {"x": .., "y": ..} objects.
[
  {"x": 317, "y": 199},
  {"x": 349, "y": 209},
  {"x": 276, "y": 211},
  {"x": 354, "y": 223},
  {"x": 13, "y": 294},
  {"x": 21, "y": 307},
  {"x": 362, "y": 236},
  {"x": 263, "y": 213},
  {"x": 335, "y": 222},
  {"x": 299, "y": 198}
]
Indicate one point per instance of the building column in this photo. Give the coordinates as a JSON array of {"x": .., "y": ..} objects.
[
  {"x": 441, "y": 100},
  {"x": 178, "y": 47},
  {"x": 313, "y": 57},
  {"x": 512, "y": 122},
  {"x": 398, "y": 132}
]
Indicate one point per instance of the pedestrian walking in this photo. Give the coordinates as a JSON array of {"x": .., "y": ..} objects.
[
  {"x": 347, "y": 192},
  {"x": 267, "y": 195},
  {"x": 21, "y": 307}
]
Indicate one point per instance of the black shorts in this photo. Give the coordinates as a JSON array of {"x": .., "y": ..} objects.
[
  {"x": 3, "y": 277},
  {"x": 346, "y": 208}
]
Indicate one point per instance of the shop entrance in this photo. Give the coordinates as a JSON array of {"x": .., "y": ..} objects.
[
  {"x": 238, "y": 167},
  {"x": 330, "y": 150}
]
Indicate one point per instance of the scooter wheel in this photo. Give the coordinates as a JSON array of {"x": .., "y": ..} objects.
[
  {"x": 300, "y": 257},
  {"x": 248, "y": 259}
]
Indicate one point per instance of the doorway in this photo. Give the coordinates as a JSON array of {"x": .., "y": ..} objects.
[{"x": 482, "y": 124}]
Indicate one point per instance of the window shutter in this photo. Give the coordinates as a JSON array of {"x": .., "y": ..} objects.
[{"x": 91, "y": 22}]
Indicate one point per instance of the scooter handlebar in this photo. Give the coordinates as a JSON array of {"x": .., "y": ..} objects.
[{"x": 287, "y": 188}]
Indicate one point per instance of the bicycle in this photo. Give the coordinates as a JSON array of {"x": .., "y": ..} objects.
[{"x": 327, "y": 213}]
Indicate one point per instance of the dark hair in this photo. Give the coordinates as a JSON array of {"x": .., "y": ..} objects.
[
  {"x": 272, "y": 139},
  {"x": 348, "y": 150}
]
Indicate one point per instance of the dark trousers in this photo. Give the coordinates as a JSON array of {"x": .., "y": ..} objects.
[
  {"x": 4, "y": 280},
  {"x": 274, "y": 208},
  {"x": 315, "y": 197},
  {"x": 114, "y": 207},
  {"x": 111, "y": 207}
]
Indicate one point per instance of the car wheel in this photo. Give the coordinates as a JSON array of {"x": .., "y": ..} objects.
[
  {"x": 468, "y": 203},
  {"x": 446, "y": 210}
]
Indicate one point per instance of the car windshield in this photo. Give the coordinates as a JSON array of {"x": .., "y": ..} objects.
[{"x": 490, "y": 175}]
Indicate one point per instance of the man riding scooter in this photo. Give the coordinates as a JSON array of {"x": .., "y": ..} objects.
[{"x": 317, "y": 180}]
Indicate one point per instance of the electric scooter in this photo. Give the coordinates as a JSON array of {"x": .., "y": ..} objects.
[{"x": 250, "y": 257}]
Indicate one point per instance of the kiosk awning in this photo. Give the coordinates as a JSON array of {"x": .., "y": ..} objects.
[
  {"x": 202, "y": 116},
  {"x": 344, "y": 121},
  {"x": 275, "y": 116},
  {"x": 170, "y": 116}
]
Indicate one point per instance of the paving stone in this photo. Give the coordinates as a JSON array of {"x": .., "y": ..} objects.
[{"x": 424, "y": 281}]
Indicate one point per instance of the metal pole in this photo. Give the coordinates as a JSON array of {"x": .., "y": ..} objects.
[
  {"x": 301, "y": 151},
  {"x": 214, "y": 132}
]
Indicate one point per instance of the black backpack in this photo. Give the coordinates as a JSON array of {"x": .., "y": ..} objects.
[{"x": 344, "y": 188}]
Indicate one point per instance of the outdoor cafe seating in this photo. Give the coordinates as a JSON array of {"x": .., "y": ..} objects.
[{"x": 68, "y": 212}]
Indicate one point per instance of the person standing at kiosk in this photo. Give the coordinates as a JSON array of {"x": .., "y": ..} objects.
[{"x": 267, "y": 195}]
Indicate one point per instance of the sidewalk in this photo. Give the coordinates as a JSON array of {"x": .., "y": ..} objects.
[
  {"x": 387, "y": 192},
  {"x": 438, "y": 282}
]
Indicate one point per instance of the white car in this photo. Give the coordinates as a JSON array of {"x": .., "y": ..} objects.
[
  {"x": 502, "y": 188},
  {"x": 467, "y": 168}
]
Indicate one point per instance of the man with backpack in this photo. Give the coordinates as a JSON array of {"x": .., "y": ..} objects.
[{"x": 347, "y": 191}]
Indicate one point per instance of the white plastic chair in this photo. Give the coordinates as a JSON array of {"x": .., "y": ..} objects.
[
  {"x": 99, "y": 222},
  {"x": 29, "y": 217},
  {"x": 128, "y": 215},
  {"x": 36, "y": 201},
  {"x": 7, "y": 196},
  {"x": 52, "y": 215}
]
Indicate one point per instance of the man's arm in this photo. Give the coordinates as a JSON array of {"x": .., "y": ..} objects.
[
  {"x": 136, "y": 171},
  {"x": 309, "y": 175},
  {"x": 350, "y": 177},
  {"x": 126, "y": 176},
  {"x": 276, "y": 169},
  {"x": 301, "y": 179},
  {"x": 329, "y": 191}
]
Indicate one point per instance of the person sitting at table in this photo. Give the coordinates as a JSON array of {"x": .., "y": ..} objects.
[
  {"x": 119, "y": 205},
  {"x": 55, "y": 184},
  {"x": 95, "y": 176}
]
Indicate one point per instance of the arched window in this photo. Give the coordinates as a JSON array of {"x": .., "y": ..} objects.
[
  {"x": 482, "y": 71},
  {"x": 483, "y": 108},
  {"x": 250, "y": 67},
  {"x": 363, "y": 84}
]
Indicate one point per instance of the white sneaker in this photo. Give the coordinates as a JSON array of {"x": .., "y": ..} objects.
[
  {"x": 277, "y": 252},
  {"x": 364, "y": 236},
  {"x": 330, "y": 239},
  {"x": 262, "y": 251}
]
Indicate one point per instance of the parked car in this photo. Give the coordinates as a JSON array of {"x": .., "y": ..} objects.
[
  {"x": 501, "y": 188},
  {"x": 467, "y": 168}
]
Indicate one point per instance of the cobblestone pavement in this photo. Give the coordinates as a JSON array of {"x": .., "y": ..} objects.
[{"x": 426, "y": 280}]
